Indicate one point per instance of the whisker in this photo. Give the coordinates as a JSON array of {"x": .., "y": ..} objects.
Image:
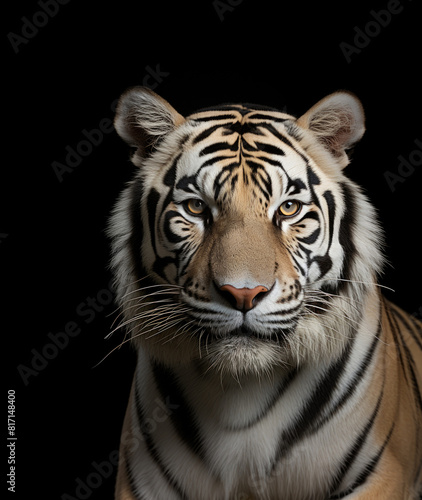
[
  {"x": 143, "y": 332},
  {"x": 144, "y": 313},
  {"x": 143, "y": 296},
  {"x": 354, "y": 281},
  {"x": 180, "y": 331},
  {"x": 164, "y": 327},
  {"x": 337, "y": 312},
  {"x": 156, "y": 285},
  {"x": 153, "y": 323},
  {"x": 330, "y": 327},
  {"x": 347, "y": 299},
  {"x": 332, "y": 313},
  {"x": 137, "y": 305}
]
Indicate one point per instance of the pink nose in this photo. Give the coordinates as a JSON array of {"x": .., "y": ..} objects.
[{"x": 244, "y": 297}]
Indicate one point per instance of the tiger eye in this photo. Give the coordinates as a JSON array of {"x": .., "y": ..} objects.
[
  {"x": 195, "y": 206},
  {"x": 289, "y": 208}
]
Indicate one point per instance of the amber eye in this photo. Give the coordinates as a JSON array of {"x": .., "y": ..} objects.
[
  {"x": 194, "y": 206},
  {"x": 289, "y": 208}
]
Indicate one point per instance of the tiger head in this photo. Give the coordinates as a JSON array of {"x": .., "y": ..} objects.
[{"x": 240, "y": 243}]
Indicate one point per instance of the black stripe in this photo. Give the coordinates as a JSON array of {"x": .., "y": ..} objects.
[
  {"x": 262, "y": 116},
  {"x": 313, "y": 179},
  {"x": 346, "y": 233},
  {"x": 283, "y": 312},
  {"x": 314, "y": 406},
  {"x": 308, "y": 240},
  {"x": 265, "y": 159},
  {"x": 152, "y": 448},
  {"x": 152, "y": 202},
  {"x": 410, "y": 364},
  {"x": 324, "y": 262},
  {"x": 223, "y": 177},
  {"x": 170, "y": 177},
  {"x": 329, "y": 199},
  {"x": 220, "y": 146},
  {"x": 188, "y": 182},
  {"x": 162, "y": 262},
  {"x": 405, "y": 321},
  {"x": 205, "y": 133},
  {"x": 170, "y": 235},
  {"x": 213, "y": 160},
  {"x": 221, "y": 107},
  {"x": 310, "y": 215},
  {"x": 415, "y": 385},
  {"x": 269, "y": 148},
  {"x": 394, "y": 332},
  {"x": 242, "y": 128},
  {"x": 353, "y": 384},
  {"x": 297, "y": 184},
  {"x": 215, "y": 117},
  {"x": 182, "y": 419},
  {"x": 258, "y": 171},
  {"x": 367, "y": 470},
  {"x": 270, "y": 127},
  {"x": 297, "y": 266},
  {"x": 351, "y": 456},
  {"x": 242, "y": 108},
  {"x": 135, "y": 241}
]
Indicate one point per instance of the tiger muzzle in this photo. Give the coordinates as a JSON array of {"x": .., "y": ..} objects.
[{"x": 242, "y": 262}]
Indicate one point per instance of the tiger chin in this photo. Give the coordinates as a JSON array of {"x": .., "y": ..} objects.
[{"x": 270, "y": 366}]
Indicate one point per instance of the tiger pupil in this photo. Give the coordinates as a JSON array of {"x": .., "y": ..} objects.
[
  {"x": 196, "y": 207},
  {"x": 289, "y": 208}
]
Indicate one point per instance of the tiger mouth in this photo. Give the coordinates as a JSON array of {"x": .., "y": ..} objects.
[{"x": 245, "y": 333}]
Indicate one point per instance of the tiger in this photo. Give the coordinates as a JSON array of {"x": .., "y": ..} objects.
[{"x": 246, "y": 267}]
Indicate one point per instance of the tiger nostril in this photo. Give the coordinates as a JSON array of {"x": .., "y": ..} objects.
[
  {"x": 243, "y": 299},
  {"x": 227, "y": 296}
]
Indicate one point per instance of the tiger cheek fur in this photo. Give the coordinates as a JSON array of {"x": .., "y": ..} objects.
[{"x": 269, "y": 364}]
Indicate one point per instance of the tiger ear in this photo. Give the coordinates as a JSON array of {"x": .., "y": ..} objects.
[
  {"x": 337, "y": 121},
  {"x": 143, "y": 118}
]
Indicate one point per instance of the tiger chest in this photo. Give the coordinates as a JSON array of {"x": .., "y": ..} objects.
[
  {"x": 255, "y": 462},
  {"x": 251, "y": 441}
]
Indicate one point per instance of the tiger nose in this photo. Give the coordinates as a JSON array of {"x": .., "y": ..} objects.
[{"x": 244, "y": 297}]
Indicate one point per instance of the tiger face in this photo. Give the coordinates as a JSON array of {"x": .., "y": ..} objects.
[{"x": 247, "y": 229}]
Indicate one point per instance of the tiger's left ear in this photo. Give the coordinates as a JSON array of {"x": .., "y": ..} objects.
[
  {"x": 143, "y": 118},
  {"x": 337, "y": 121}
]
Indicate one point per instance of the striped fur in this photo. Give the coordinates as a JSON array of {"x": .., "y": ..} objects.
[{"x": 312, "y": 390}]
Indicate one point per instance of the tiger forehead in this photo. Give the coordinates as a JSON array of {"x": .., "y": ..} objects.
[
  {"x": 241, "y": 129},
  {"x": 236, "y": 153}
]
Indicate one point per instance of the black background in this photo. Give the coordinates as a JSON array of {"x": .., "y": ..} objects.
[{"x": 53, "y": 249}]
